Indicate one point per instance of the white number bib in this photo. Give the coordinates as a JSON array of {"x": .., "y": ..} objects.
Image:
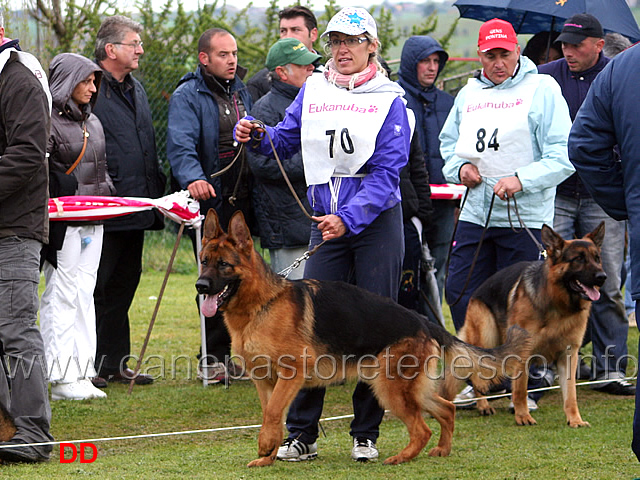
[
  {"x": 339, "y": 129},
  {"x": 494, "y": 127}
]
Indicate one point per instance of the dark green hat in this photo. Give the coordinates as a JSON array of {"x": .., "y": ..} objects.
[{"x": 289, "y": 50}]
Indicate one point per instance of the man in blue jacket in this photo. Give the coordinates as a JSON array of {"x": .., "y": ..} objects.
[
  {"x": 203, "y": 110},
  {"x": 422, "y": 60},
  {"x": 609, "y": 117},
  {"x": 577, "y": 214}
]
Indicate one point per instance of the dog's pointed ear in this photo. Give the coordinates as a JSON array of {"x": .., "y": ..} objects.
[
  {"x": 597, "y": 236},
  {"x": 239, "y": 233},
  {"x": 212, "y": 228},
  {"x": 553, "y": 242}
]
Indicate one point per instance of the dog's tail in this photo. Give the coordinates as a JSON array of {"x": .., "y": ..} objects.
[
  {"x": 7, "y": 427},
  {"x": 484, "y": 367}
]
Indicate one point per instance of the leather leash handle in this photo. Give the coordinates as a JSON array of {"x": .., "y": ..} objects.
[{"x": 84, "y": 147}]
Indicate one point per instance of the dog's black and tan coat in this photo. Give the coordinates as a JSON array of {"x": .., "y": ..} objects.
[
  {"x": 295, "y": 334},
  {"x": 551, "y": 300}
]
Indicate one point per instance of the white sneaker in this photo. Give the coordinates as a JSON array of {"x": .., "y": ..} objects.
[
  {"x": 91, "y": 389},
  {"x": 364, "y": 450},
  {"x": 531, "y": 403},
  {"x": 466, "y": 398},
  {"x": 293, "y": 450},
  {"x": 69, "y": 391}
]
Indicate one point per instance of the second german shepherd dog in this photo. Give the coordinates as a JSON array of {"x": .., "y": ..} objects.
[
  {"x": 551, "y": 300},
  {"x": 307, "y": 333}
]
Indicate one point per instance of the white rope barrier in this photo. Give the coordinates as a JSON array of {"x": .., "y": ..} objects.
[{"x": 248, "y": 427}]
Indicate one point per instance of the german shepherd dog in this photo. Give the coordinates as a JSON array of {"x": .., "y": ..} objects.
[
  {"x": 551, "y": 300},
  {"x": 306, "y": 333}
]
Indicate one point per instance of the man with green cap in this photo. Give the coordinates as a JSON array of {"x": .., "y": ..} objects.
[{"x": 284, "y": 229}]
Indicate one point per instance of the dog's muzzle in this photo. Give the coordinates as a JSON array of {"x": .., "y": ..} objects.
[{"x": 203, "y": 286}]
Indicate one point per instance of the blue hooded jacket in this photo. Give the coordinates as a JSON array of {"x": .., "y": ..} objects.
[
  {"x": 193, "y": 132},
  {"x": 430, "y": 105}
]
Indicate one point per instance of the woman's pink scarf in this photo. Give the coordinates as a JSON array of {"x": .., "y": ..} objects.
[{"x": 348, "y": 81}]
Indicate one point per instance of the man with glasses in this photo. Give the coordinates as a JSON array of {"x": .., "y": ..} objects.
[{"x": 132, "y": 161}]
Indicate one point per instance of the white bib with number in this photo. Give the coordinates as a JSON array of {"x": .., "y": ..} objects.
[
  {"x": 494, "y": 128},
  {"x": 339, "y": 128}
]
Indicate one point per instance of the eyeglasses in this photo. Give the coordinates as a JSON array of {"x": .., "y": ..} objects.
[
  {"x": 135, "y": 45},
  {"x": 349, "y": 42}
]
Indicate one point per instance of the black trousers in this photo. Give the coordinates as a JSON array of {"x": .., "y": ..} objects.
[{"x": 118, "y": 277}]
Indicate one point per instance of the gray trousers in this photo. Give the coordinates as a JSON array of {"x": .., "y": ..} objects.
[{"x": 23, "y": 380}]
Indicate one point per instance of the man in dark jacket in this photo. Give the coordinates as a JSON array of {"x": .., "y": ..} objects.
[
  {"x": 297, "y": 22},
  {"x": 203, "y": 110},
  {"x": 24, "y": 130},
  {"x": 133, "y": 165},
  {"x": 421, "y": 62},
  {"x": 609, "y": 117},
  {"x": 576, "y": 212},
  {"x": 284, "y": 228}
]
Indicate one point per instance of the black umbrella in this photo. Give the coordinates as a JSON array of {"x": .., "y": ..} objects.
[{"x": 533, "y": 16}]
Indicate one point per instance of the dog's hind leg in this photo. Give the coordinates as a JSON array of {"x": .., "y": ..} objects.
[
  {"x": 400, "y": 397},
  {"x": 444, "y": 412}
]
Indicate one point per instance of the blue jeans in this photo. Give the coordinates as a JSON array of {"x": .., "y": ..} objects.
[
  {"x": 608, "y": 324},
  {"x": 371, "y": 260},
  {"x": 501, "y": 247},
  {"x": 28, "y": 401},
  {"x": 439, "y": 235}
]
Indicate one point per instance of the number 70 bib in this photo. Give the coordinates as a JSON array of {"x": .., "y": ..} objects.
[
  {"x": 494, "y": 130},
  {"x": 339, "y": 129}
]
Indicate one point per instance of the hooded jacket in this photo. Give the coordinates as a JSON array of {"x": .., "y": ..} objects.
[
  {"x": 549, "y": 125},
  {"x": 66, "y": 71},
  {"x": 430, "y": 105},
  {"x": 360, "y": 200},
  {"x": 23, "y": 165}
]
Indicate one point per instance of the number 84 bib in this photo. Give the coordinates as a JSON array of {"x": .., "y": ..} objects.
[{"x": 494, "y": 127}]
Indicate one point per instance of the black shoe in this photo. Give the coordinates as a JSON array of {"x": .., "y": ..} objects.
[
  {"x": 583, "y": 372},
  {"x": 127, "y": 374},
  {"x": 22, "y": 453},
  {"x": 616, "y": 387},
  {"x": 99, "y": 382}
]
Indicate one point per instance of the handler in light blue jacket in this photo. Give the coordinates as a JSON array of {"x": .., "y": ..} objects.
[{"x": 506, "y": 135}]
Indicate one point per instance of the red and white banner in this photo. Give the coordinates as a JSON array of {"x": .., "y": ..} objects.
[
  {"x": 179, "y": 207},
  {"x": 447, "y": 191}
]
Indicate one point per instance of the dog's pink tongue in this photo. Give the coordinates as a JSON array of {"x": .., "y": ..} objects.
[
  {"x": 592, "y": 293},
  {"x": 210, "y": 305}
]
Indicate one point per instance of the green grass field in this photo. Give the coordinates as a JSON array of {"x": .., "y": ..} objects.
[{"x": 483, "y": 448}]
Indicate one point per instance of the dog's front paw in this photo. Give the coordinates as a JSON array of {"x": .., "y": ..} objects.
[
  {"x": 439, "y": 451},
  {"x": 394, "y": 460},
  {"x": 262, "y": 462},
  {"x": 524, "y": 420},
  {"x": 577, "y": 423}
]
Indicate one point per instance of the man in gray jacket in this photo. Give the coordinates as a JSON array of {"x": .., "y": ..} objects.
[
  {"x": 24, "y": 130},
  {"x": 284, "y": 228},
  {"x": 132, "y": 162}
]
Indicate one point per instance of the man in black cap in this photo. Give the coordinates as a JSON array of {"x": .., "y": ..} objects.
[{"x": 576, "y": 213}]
